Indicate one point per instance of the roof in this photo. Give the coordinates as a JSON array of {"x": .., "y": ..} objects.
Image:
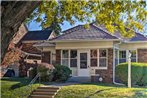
[
  {"x": 136, "y": 38},
  {"x": 37, "y": 35},
  {"x": 81, "y": 33}
]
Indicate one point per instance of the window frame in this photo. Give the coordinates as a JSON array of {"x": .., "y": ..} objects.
[
  {"x": 127, "y": 54},
  {"x": 98, "y": 58},
  {"x": 69, "y": 57},
  {"x": 73, "y": 58},
  {"x": 94, "y": 58},
  {"x": 65, "y": 58},
  {"x": 103, "y": 57}
]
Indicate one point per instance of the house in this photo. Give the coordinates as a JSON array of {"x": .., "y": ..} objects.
[
  {"x": 31, "y": 38},
  {"x": 93, "y": 52}
]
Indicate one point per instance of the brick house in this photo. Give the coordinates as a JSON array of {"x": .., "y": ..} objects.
[
  {"x": 31, "y": 38},
  {"x": 93, "y": 52}
]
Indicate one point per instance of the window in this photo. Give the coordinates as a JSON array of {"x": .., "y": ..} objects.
[
  {"x": 65, "y": 57},
  {"x": 69, "y": 58},
  {"x": 93, "y": 60},
  {"x": 122, "y": 56},
  {"x": 133, "y": 55},
  {"x": 83, "y": 60},
  {"x": 73, "y": 58},
  {"x": 102, "y": 58}
]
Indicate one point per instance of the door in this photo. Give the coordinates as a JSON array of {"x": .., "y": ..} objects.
[{"x": 83, "y": 64}]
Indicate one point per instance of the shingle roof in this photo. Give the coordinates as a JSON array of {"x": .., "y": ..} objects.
[
  {"x": 81, "y": 33},
  {"x": 37, "y": 35},
  {"x": 137, "y": 37}
]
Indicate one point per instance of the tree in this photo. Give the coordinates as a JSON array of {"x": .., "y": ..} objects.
[
  {"x": 114, "y": 15},
  {"x": 124, "y": 16},
  {"x": 13, "y": 13}
]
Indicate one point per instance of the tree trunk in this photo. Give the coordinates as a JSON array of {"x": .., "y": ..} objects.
[{"x": 13, "y": 13}]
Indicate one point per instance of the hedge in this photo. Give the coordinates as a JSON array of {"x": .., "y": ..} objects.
[{"x": 138, "y": 73}]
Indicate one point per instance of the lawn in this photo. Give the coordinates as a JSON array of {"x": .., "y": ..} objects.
[
  {"x": 15, "y": 87},
  {"x": 100, "y": 91}
]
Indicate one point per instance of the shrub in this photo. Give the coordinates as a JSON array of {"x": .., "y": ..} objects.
[
  {"x": 138, "y": 73},
  {"x": 46, "y": 73},
  {"x": 61, "y": 73}
]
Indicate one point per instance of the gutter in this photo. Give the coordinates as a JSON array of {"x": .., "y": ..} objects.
[{"x": 115, "y": 47}]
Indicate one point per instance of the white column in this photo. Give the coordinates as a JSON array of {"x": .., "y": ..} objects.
[{"x": 129, "y": 69}]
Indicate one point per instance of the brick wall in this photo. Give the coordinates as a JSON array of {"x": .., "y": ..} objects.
[
  {"x": 58, "y": 56},
  {"x": 142, "y": 55},
  {"x": 46, "y": 57},
  {"x": 107, "y": 74}
]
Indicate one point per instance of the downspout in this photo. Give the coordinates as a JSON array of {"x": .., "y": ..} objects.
[{"x": 115, "y": 47}]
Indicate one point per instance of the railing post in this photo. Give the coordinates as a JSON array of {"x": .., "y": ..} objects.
[{"x": 39, "y": 79}]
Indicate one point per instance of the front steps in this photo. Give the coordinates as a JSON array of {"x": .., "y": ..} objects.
[{"x": 44, "y": 92}]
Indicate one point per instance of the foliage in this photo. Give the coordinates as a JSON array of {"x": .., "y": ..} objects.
[
  {"x": 15, "y": 87},
  {"x": 99, "y": 91},
  {"x": 115, "y": 15},
  {"x": 138, "y": 73},
  {"x": 61, "y": 73},
  {"x": 46, "y": 73}
]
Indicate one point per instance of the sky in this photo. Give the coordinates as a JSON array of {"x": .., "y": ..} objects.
[{"x": 66, "y": 25}]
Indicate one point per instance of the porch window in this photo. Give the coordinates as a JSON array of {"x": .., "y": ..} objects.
[
  {"x": 133, "y": 55},
  {"x": 69, "y": 58},
  {"x": 65, "y": 57},
  {"x": 73, "y": 58},
  {"x": 93, "y": 55},
  {"x": 103, "y": 58},
  {"x": 122, "y": 56}
]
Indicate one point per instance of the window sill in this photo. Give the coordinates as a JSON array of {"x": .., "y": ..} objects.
[{"x": 105, "y": 68}]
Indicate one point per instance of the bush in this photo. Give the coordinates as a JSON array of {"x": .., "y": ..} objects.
[
  {"x": 138, "y": 73},
  {"x": 46, "y": 73},
  {"x": 61, "y": 73}
]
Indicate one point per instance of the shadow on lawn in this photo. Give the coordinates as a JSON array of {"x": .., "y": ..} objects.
[
  {"x": 20, "y": 82},
  {"x": 99, "y": 91}
]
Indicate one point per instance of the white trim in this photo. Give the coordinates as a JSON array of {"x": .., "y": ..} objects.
[{"x": 51, "y": 34}]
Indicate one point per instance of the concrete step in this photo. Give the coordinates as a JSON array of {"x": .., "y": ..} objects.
[
  {"x": 44, "y": 93},
  {"x": 41, "y": 96},
  {"x": 79, "y": 79},
  {"x": 46, "y": 90},
  {"x": 48, "y": 87}
]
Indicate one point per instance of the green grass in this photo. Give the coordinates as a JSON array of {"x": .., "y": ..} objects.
[
  {"x": 100, "y": 91},
  {"x": 15, "y": 87}
]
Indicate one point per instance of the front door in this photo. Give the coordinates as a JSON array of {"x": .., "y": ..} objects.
[{"x": 83, "y": 68}]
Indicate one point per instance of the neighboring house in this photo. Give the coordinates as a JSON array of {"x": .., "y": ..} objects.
[
  {"x": 34, "y": 37},
  {"x": 93, "y": 52},
  {"x": 12, "y": 54}
]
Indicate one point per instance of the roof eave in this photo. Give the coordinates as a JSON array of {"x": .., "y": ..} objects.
[{"x": 81, "y": 40}]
